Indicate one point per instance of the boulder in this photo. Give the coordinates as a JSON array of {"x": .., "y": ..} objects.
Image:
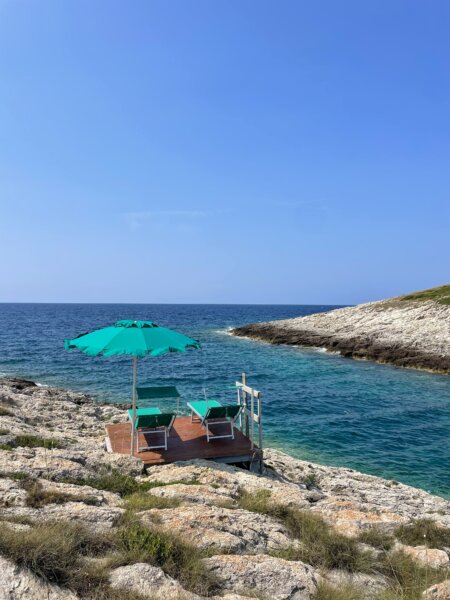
[
  {"x": 428, "y": 557},
  {"x": 439, "y": 591},
  {"x": 351, "y": 518},
  {"x": 229, "y": 481},
  {"x": 22, "y": 584},
  {"x": 267, "y": 576},
  {"x": 369, "y": 585},
  {"x": 148, "y": 581},
  {"x": 211, "y": 527}
]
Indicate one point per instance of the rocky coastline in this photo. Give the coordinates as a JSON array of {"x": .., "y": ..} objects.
[
  {"x": 196, "y": 529},
  {"x": 413, "y": 333}
]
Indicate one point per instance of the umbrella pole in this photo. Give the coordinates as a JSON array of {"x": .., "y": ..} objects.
[{"x": 133, "y": 410}]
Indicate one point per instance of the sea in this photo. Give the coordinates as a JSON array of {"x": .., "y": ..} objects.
[{"x": 317, "y": 406}]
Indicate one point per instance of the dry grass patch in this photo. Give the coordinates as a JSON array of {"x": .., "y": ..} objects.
[
  {"x": 424, "y": 532},
  {"x": 408, "y": 579},
  {"x": 321, "y": 545},
  {"x": 57, "y": 552},
  {"x": 376, "y": 539},
  {"x": 33, "y": 441},
  {"x": 37, "y": 497},
  {"x": 136, "y": 543},
  {"x": 326, "y": 591},
  {"x": 144, "y": 501}
]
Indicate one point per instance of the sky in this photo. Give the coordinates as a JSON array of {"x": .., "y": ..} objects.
[{"x": 223, "y": 151}]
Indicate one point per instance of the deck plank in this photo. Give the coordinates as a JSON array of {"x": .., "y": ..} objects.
[{"x": 187, "y": 441}]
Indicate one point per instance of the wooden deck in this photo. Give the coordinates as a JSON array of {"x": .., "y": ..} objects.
[{"x": 187, "y": 441}]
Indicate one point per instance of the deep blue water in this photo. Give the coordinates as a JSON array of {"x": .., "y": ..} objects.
[{"x": 317, "y": 406}]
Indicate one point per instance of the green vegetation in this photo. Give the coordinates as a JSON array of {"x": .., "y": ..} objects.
[
  {"x": 4, "y": 431},
  {"x": 439, "y": 294},
  {"x": 408, "y": 578},
  {"x": 32, "y": 441},
  {"x": 145, "y": 501},
  {"x": 55, "y": 552},
  {"x": 424, "y": 532},
  {"x": 324, "y": 548},
  {"x": 5, "y": 411},
  {"x": 377, "y": 539},
  {"x": 37, "y": 497},
  {"x": 17, "y": 475},
  {"x": 326, "y": 591},
  {"x": 182, "y": 561},
  {"x": 321, "y": 545},
  {"x": 124, "y": 485}
]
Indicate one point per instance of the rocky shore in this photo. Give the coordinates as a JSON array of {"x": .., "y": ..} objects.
[
  {"x": 79, "y": 522},
  {"x": 409, "y": 331}
]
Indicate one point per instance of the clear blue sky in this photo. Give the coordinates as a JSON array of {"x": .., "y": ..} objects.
[{"x": 223, "y": 150}]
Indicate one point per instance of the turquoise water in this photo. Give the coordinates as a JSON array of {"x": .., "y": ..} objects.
[{"x": 317, "y": 406}]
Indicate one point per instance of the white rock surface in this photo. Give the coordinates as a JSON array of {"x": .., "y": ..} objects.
[
  {"x": 21, "y": 584},
  {"x": 149, "y": 581},
  {"x": 270, "y": 577},
  {"x": 211, "y": 527},
  {"x": 431, "y": 557}
]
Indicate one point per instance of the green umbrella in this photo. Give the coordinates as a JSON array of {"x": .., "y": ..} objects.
[{"x": 136, "y": 338}]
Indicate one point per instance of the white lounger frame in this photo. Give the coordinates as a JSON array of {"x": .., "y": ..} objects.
[
  {"x": 206, "y": 423},
  {"x": 155, "y": 430}
]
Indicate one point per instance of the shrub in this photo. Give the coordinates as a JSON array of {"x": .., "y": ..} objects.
[
  {"x": 137, "y": 543},
  {"x": 321, "y": 545},
  {"x": 377, "y": 539},
  {"x": 17, "y": 475},
  {"x": 5, "y": 411},
  {"x": 4, "y": 431},
  {"x": 424, "y": 532},
  {"x": 33, "y": 441},
  {"x": 115, "y": 481},
  {"x": 326, "y": 591},
  {"x": 408, "y": 578},
  {"x": 55, "y": 551},
  {"x": 145, "y": 501},
  {"x": 37, "y": 497}
]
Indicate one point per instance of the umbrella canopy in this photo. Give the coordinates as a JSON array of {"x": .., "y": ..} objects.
[{"x": 136, "y": 338}]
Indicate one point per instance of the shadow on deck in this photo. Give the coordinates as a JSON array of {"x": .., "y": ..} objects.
[{"x": 187, "y": 441}]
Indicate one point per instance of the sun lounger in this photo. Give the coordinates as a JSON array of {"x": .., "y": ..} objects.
[
  {"x": 212, "y": 412},
  {"x": 144, "y": 411},
  {"x": 155, "y": 423}
]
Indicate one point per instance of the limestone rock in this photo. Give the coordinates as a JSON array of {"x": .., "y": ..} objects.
[
  {"x": 149, "y": 581},
  {"x": 228, "y": 481},
  {"x": 95, "y": 517},
  {"x": 369, "y": 493},
  {"x": 197, "y": 494},
  {"x": 270, "y": 577},
  {"x": 220, "y": 528},
  {"x": 406, "y": 333},
  {"x": 431, "y": 557},
  {"x": 439, "y": 591},
  {"x": 350, "y": 518},
  {"x": 370, "y": 585},
  {"x": 22, "y": 584}
]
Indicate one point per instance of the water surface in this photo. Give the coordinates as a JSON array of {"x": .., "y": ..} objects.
[{"x": 321, "y": 407}]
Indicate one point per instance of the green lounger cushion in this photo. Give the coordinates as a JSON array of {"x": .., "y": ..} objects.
[
  {"x": 230, "y": 411},
  {"x": 201, "y": 407},
  {"x": 153, "y": 421},
  {"x": 144, "y": 411},
  {"x": 153, "y": 392},
  {"x": 214, "y": 410}
]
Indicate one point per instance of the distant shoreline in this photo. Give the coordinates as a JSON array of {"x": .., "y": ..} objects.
[{"x": 405, "y": 332}]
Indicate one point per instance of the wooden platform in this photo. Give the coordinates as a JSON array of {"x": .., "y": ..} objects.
[{"x": 187, "y": 441}]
